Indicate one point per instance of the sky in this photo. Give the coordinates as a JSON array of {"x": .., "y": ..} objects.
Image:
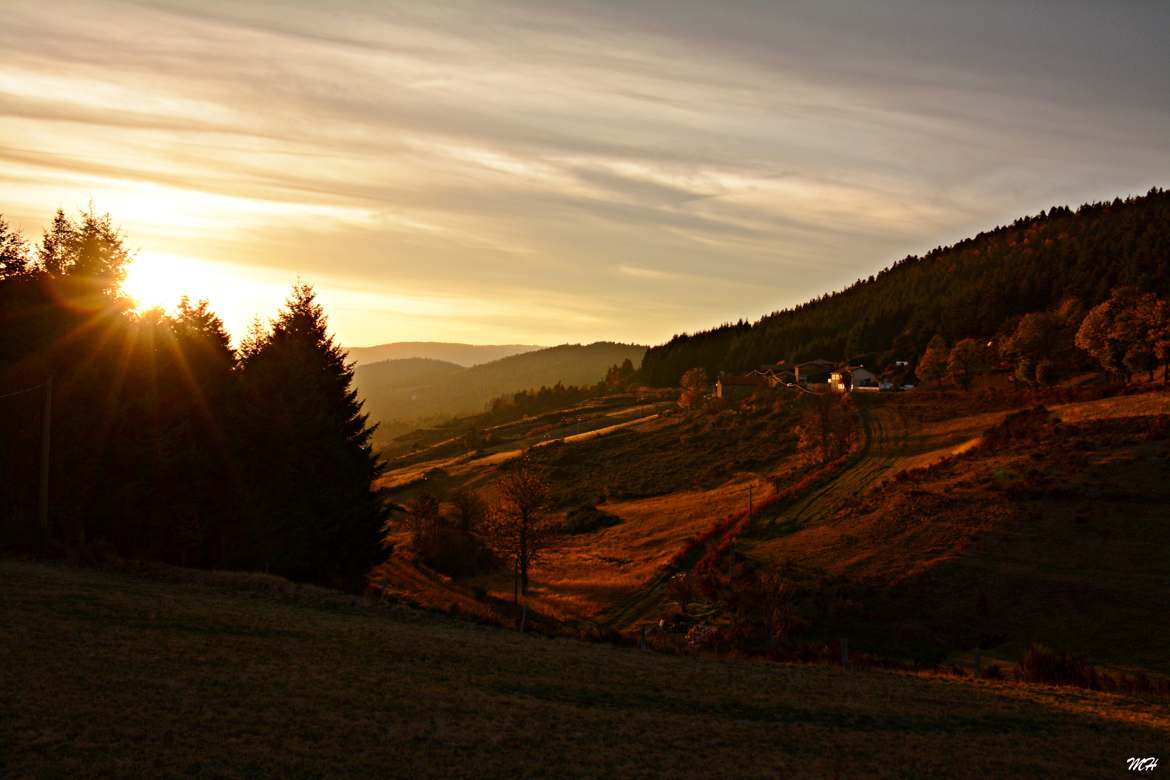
[{"x": 557, "y": 172}]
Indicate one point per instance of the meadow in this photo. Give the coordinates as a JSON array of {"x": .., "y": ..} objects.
[
  {"x": 922, "y": 546},
  {"x": 212, "y": 675}
]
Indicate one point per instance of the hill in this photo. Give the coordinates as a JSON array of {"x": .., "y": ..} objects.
[
  {"x": 971, "y": 289},
  {"x": 461, "y": 354},
  {"x": 192, "y": 674},
  {"x": 992, "y": 527},
  {"x": 923, "y": 543},
  {"x": 410, "y": 392}
]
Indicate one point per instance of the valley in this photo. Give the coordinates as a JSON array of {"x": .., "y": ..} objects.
[{"x": 920, "y": 520}]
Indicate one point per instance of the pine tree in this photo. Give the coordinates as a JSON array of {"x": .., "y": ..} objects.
[
  {"x": 91, "y": 248},
  {"x": 314, "y": 513},
  {"x": 14, "y": 254}
]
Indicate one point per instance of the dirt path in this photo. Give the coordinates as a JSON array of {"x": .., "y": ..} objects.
[{"x": 883, "y": 432}]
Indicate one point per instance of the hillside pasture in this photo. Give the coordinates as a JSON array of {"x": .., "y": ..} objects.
[
  {"x": 107, "y": 674},
  {"x": 1059, "y": 537}
]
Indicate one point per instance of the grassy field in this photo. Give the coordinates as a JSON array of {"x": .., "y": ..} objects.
[
  {"x": 198, "y": 675},
  {"x": 668, "y": 476},
  {"x": 941, "y": 546},
  {"x": 1061, "y": 539}
]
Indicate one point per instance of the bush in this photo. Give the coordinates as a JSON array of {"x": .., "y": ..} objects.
[
  {"x": 1040, "y": 664},
  {"x": 1026, "y": 425},
  {"x": 453, "y": 552},
  {"x": 587, "y": 518}
]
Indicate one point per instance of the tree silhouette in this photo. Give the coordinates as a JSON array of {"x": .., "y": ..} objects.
[
  {"x": 91, "y": 248},
  {"x": 14, "y": 252},
  {"x": 316, "y": 514}
]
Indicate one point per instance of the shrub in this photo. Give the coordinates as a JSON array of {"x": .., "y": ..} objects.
[
  {"x": 1026, "y": 425},
  {"x": 453, "y": 552},
  {"x": 587, "y": 518},
  {"x": 1040, "y": 664}
]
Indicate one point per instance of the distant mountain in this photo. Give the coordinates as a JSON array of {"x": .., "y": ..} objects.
[
  {"x": 460, "y": 354},
  {"x": 408, "y": 374},
  {"x": 416, "y": 389}
]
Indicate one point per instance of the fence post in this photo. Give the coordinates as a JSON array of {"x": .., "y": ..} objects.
[
  {"x": 642, "y": 638},
  {"x": 523, "y": 615}
]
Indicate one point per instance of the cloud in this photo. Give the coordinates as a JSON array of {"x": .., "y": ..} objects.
[{"x": 566, "y": 172}]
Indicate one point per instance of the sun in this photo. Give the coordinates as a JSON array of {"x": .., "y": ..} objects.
[{"x": 156, "y": 280}]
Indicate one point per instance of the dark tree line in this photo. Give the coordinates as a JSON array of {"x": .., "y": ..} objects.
[
  {"x": 964, "y": 291},
  {"x": 166, "y": 443}
]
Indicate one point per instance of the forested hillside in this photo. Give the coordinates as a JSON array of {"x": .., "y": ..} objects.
[
  {"x": 414, "y": 390},
  {"x": 969, "y": 290}
]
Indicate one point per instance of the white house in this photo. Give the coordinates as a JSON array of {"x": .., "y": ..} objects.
[{"x": 853, "y": 378}]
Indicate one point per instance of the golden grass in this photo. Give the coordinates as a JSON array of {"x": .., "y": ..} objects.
[
  {"x": 598, "y": 432},
  {"x": 585, "y": 575}
]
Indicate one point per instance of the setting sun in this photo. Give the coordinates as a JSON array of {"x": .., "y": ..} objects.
[
  {"x": 238, "y": 293},
  {"x": 157, "y": 281}
]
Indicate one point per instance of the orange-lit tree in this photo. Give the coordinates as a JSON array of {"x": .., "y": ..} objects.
[{"x": 517, "y": 526}]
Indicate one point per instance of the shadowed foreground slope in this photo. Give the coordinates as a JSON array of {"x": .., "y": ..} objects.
[{"x": 107, "y": 674}]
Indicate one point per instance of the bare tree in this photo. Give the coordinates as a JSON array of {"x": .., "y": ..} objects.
[
  {"x": 470, "y": 509},
  {"x": 424, "y": 517},
  {"x": 516, "y": 525}
]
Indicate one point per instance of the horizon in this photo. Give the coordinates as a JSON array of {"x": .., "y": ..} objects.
[{"x": 533, "y": 175}]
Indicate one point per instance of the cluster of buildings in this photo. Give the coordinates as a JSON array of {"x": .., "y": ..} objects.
[{"x": 814, "y": 375}]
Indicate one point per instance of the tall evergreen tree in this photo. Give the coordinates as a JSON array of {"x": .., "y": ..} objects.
[
  {"x": 14, "y": 253},
  {"x": 315, "y": 513},
  {"x": 91, "y": 248}
]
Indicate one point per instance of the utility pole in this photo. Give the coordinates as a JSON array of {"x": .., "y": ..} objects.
[{"x": 46, "y": 436}]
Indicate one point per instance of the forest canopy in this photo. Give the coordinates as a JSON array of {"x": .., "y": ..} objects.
[{"x": 968, "y": 290}]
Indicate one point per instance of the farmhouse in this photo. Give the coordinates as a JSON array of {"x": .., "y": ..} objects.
[
  {"x": 814, "y": 372},
  {"x": 781, "y": 378},
  {"x": 853, "y": 378},
  {"x": 735, "y": 387}
]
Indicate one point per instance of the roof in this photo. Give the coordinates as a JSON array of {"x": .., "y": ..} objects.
[
  {"x": 754, "y": 380},
  {"x": 818, "y": 363}
]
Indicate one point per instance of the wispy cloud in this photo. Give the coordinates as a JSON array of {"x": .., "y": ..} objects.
[{"x": 562, "y": 171}]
